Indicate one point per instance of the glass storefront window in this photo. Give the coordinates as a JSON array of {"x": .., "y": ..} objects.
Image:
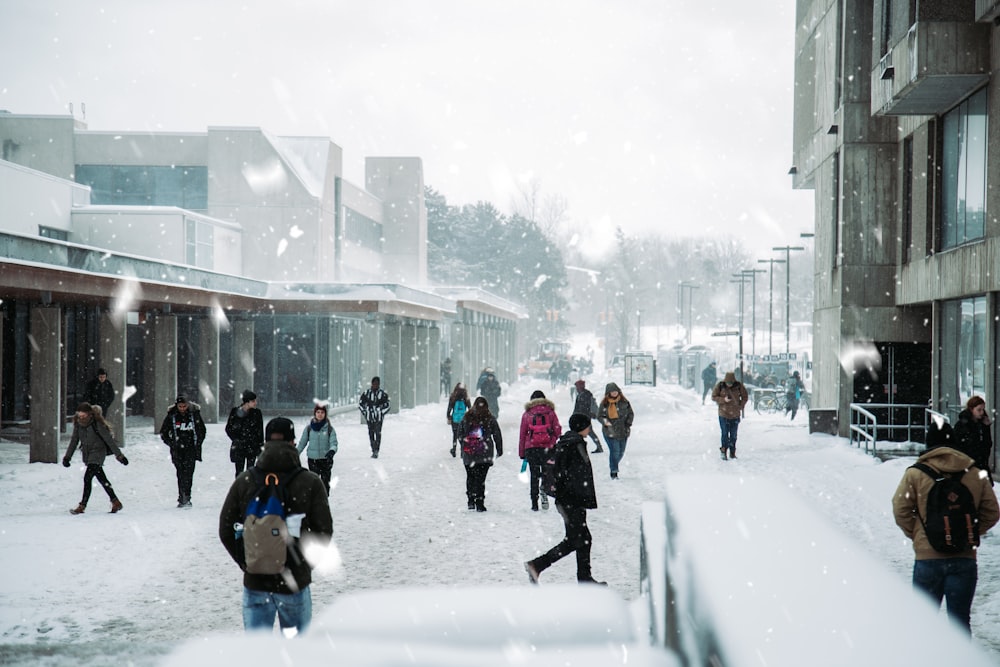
[{"x": 963, "y": 352}]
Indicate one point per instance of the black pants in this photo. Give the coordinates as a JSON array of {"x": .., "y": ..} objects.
[
  {"x": 375, "y": 435},
  {"x": 322, "y": 467},
  {"x": 185, "y": 477},
  {"x": 475, "y": 483},
  {"x": 577, "y": 539},
  {"x": 243, "y": 456},
  {"x": 535, "y": 457},
  {"x": 96, "y": 470},
  {"x": 792, "y": 405}
]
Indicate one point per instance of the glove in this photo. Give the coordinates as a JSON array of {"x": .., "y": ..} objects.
[
  {"x": 66, "y": 463},
  {"x": 121, "y": 459},
  {"x": 329, "y": 455}
]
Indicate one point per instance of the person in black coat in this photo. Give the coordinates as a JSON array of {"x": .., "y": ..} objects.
[
  {"x": 575, "y": 494},
  {"x": 100, "y": 391},
  {"x": 481, "y": 443},
  {"x": 586, "y": 404},
  {"x": 972, "y": 433},
  {"x": 245, "y": 428},
  {"x": 183, "y": 431}
]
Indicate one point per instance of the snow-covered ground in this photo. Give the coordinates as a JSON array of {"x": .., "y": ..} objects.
[{"x": 129, "y": 588}]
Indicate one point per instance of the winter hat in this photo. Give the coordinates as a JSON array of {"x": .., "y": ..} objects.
[
  {"x": 730, "y": 378},
  {"x": 940, "y": 435},
  {"x": 180, "y": 399},
  {"x": 610, "y": 387},
  {"x": 248, "y": 396},
  {"x": 579, "y": 422},
  {"x": 580, "y": 384},
  {"x": 280, "y": 428},
  {"x": 538, "y": 393}
]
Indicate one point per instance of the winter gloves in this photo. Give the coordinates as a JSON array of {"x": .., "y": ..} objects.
[
  {"x": 66, "y": 462},
  {"x": 121, "y": 459}
]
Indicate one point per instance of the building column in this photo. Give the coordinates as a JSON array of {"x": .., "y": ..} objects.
[
  {"x": 459, "y": 355},
  {"x": 337, "y": 368},
  {"x": 208, "y": 369},
  {"x": 164, "y": 366},
  {"x": 46, "y": 389},
  {"x": 112, "y": 330},
  {"x": 407, "y": 382},
  {"x": 243, "y": 357},
  {"x": 434, "y": 363},
  {"x": 422, "y": 379},
  {"x": 392, "y": 335}
]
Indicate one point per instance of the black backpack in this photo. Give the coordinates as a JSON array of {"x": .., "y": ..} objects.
[{"x": 952, "y": 521}]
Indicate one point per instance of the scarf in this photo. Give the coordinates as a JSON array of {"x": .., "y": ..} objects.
[{"x": 613, "y": 407}]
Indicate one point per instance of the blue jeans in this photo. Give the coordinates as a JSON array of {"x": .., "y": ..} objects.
[
  {"x": 729, "y": 428},
  {"x": 294, "y": 610},
  {"x": 954, "y": 579},
  {"x": 616, "y": 452}
]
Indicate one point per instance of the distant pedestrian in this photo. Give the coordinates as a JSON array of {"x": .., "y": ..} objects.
[
  {"x": 481, "y": 443},
  {"x": 793, "y": 393},
  {"x": 951, "y": 576},
  {"x": 458, "y": 405},
  {"x": 539, "y": 431},
  {"x": 731, "y": 396},
  {"x": 245, "y": 428},
  {"x": 319, "y": 439},
  {"x": 490, "y": 390},
  {"x": 285, "y": 595},
  {"x": 184, "y": 432},
  {"x": 575, "y": 494},
  {"x": 972, "y": 433},
  {"x": 708, "y": 379},
  {"x": 446, "y": 375},
  {"x": 100, "y": 392},
  {"x": 374, "y": 405},
  {"x": 92, "y": 434},
  {"x": 615, "y": 414},
  {"x": 586, "y": 404}
]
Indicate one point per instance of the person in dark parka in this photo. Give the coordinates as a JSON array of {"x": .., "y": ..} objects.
[
  {"x": 575, "y": 494},
  {"x": 972, "y": 433},
  {"x": 183, "y": 431},
  {"x": 245, "y": 428}
]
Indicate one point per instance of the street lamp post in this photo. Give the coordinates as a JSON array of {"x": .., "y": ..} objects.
[
  {"x": 742, "y": 280},
  {"x": 753, "y": 307},
  {"x": 770, "y": 302},
  {"x": 684, "y": 285},
  {"x": 788, "y": 290}
]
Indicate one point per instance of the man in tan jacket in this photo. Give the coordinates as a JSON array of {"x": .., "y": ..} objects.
[
  {"x": 731, "y": 396},
  {"x": 951, "y": 576}
]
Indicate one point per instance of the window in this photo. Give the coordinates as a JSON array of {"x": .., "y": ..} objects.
[
  {"x": 963, "y": 172},
  {"x": 907, "y": 226},
  {"x": 53, "y": 233},
  {"x": 184, "y": 187},
  {"x": 199, "y": 243},
  {"x": 362, "y": 230},
  {"x": 838, "y": 229},
  {"x": 963, "y": 351}
]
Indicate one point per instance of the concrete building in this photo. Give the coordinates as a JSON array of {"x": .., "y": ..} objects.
[
  {"x": 207, "y": 263},
  {"x": 897, "y": 124}
]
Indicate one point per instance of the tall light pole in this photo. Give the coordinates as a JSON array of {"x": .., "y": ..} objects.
[
  {"x": 753, "y": 307},
  {"x": 741, "y": 278},
  {"x": 788, "y": 290},
  {"x": 684, "y": 285},
  {"x": 770, "y": 302}
]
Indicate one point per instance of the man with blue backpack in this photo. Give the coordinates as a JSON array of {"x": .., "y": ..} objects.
[{"x": 272, "y": 511}]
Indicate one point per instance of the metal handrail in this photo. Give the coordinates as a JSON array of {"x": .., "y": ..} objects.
[
  {"x": 866, "y": 430},
  {"x": 865, "y": 425}
]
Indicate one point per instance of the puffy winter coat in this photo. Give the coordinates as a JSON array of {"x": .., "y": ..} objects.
[
  {"x": 374, "y": 404},
  {"x": 574, "y": 474},
  {"x": 318, "y": 439},
  {"x": 730, "y": 399},
  {"x": 94, "y": 440},
  {"x": 911, "y": 497},
  {"x": 246, "y": 429},
  {"x": 306, "y": 495},
  {"x": 183, "y": 432},
  {"x": 536, "y": 411}
]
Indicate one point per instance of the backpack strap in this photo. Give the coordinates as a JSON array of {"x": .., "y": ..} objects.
[{"x": 923, "y": 467}]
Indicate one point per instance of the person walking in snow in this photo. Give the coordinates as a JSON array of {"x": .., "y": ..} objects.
[
  {"x": 615, "y": 414},
  {"x": 972, "y": 433},
  {"x": 793, "y": 392},
  {"x": 951, "y": 576},
  {"x": 374, "y": 405},
  {"x": 445, "y": 375},
  {"x": 490, "y": 390},
  {"x": 183, "y": 431},
  {"x": 319, "y": 440},
  {"x": 100, "y": 392},
  {"x": 586, "y": 404},
  {"x": 285, "y": 595},
  {"x": 458, "y": 405},
  {"x": 481, "y": 443},
  {"x": 708, "y": 380},
  {"x": 245, "y": 428},
  {"x": 92, "y": 434},
  {"x": 731, "y": 396},
  {"x": 575, "y": 494},
  {"x": 539, "y": 431}
]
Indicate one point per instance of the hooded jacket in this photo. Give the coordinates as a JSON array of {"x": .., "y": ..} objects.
[
  {"x": 737, "y": 398},
  {"x": 911, "y": 497},
  {"x": 620, "y": 427},
  {"x": 183, "y": 432},
  {"x": 535, "y": 407},
  {"x": 306, "y": 495},
  {"x": 95, "y": 442},
  {"x": 574, "y": 474}
]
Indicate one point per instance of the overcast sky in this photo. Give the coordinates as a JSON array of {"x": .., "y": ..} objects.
[{"x": 670, "y": 115}]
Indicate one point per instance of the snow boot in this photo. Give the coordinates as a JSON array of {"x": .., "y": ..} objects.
[
  {"x": 545, "y": 502},
  {"x": 116, "y": 506},
  {"x": 480, "y": 507},
  {"x": 532, "y": 570},
  {"x": 732, "y": 452},
  {"x": 723, "y": 451},
  {"x": 472, "y": 505},
  {"x": 534, "y": 504},
  {"x": 79, "y": 509},
  {"x": 453, "y": 450}
]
